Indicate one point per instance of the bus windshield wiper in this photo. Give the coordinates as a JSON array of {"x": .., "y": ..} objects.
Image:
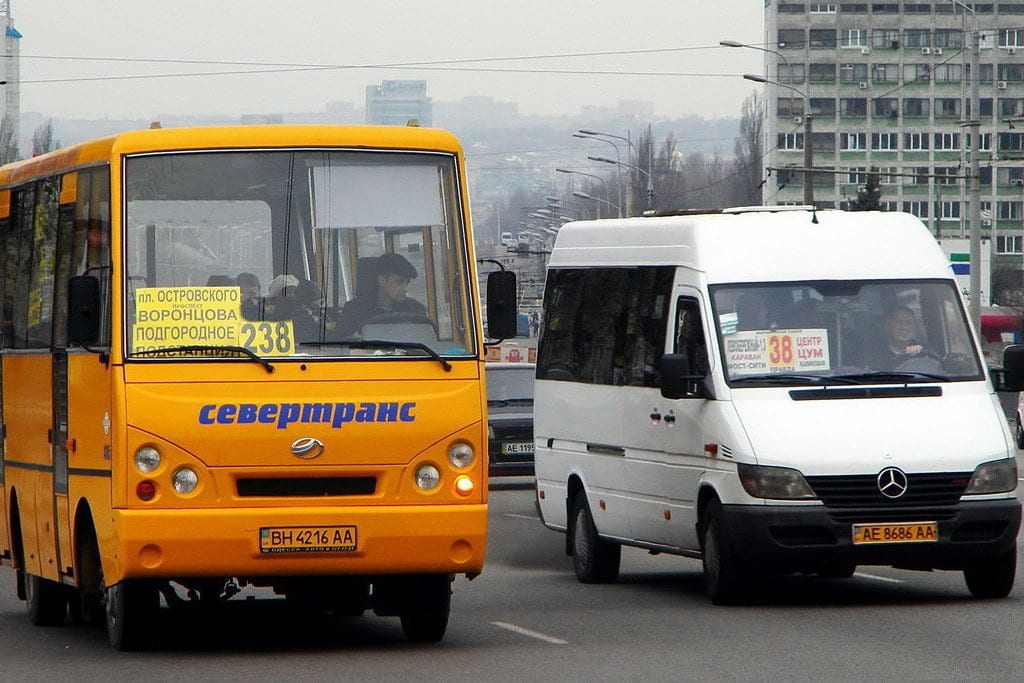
[
  {"x": 199, "y": 348},
  {"x": 383, "y": 344},
  {"x": 784, "y": 378},
  {"x": 893, "y": 376}
]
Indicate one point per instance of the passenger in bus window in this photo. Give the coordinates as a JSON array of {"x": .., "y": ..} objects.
[
  {"x": 252, "y": 299},
  {"x": 391, "y": 274},
  {"x": 899, "y": 346}
]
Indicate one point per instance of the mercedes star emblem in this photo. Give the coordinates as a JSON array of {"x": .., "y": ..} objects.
[{"x": 892, "y": 482}]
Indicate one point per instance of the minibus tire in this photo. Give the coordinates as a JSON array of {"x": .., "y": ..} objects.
[
  {"x": 725, "y": 577},
  {"x": 1020, "y": 433},
  {"x": 46, "y": 601},
  {"x": 992, "y": 578},
  {"x": 129, "y": 610},
  {"x": 428, "y": 604},
  {"x": 594, "y": 559}
]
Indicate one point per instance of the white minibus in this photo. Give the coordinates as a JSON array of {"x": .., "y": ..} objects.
[{"x": 771, "y": 390}]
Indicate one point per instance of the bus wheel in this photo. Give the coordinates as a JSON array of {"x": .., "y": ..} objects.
[
  {"x": 130, "y": 608},
  {"x": 594, "y": 559},
  {"x": 47, "y": 601},
  {"x": 428, "y": 601},
  {"x": 992, "y": 578},
  {"x": 725, "y": 578}
]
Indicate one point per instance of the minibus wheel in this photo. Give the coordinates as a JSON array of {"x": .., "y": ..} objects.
[
  {"x": 47, "y": 601},
  {"x": 594, "y": 559},
  {"x": 1020, "y": 433},
  {"x": 992, "y": 578},
  {"x": 428, "y": 601},
  {"x": 130, "y": 607},
  {"x": 725, "y": 577}
]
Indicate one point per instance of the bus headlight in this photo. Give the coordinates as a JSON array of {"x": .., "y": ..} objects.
[
  {"x": 184, "y": 480},
  {"x": 147, "y": 459},
  {"x": 998, "y": 476},
  {"x": 460, "y": 455},
  {"x": 427, "y": 477},
  {"x": 779, "y": 483}
]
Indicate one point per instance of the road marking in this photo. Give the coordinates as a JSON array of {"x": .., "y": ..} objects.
[
  {"x": 532, "y": 518},
  {"x": 877, "y": 578},
  {"x": 532, "y": 634}
]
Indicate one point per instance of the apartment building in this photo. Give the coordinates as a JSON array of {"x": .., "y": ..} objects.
[{"x": 887, "y": 85}]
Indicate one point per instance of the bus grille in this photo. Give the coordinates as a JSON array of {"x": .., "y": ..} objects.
[
  {"x": 861, "y": 490},
  {"x": 307, "y": 487}
]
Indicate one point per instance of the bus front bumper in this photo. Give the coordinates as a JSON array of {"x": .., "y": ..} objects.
[{"x": 264, "y": 542}]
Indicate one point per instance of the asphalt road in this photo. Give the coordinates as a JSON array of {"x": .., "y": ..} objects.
[{"x": 527, "y": 618}]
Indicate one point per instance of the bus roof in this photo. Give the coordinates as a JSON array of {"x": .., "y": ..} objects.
[
  {"x": 753, "y": 246},
  {"x": 228, "y": 137}
]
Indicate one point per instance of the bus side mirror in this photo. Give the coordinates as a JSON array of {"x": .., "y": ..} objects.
[
  {"x": 83, "y": 310},
  {"x": 677, "y": 380},
  {"x": 1013, "y": 368},
  {"x": 501, "y": 304}
]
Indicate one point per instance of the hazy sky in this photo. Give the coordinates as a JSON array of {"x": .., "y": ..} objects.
[{"x": 66, "y": 41}]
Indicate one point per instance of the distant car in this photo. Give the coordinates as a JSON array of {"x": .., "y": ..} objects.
[{"x": 510, "y": 418}]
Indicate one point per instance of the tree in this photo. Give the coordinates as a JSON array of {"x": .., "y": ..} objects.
[
  {"x": 42, "y": 138},
  {"x": 868, "y": 194},
  {"x": 749, "y": 152},
  {"x": 8, "y": 141}
]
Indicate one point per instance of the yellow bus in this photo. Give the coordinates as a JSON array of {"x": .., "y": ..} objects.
[{"x": 243, "y": 359}]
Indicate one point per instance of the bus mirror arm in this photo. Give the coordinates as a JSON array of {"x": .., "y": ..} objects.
[{"x": 678, "y": 381}]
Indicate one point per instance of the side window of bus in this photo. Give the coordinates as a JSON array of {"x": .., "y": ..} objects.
[
  {"x": 689, "y": 335},
  {"x": 90, "y": 238},
  {"x": 18, "y": 267}
]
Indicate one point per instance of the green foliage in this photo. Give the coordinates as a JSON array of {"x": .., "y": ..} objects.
[{"x": 869, "y": 195}]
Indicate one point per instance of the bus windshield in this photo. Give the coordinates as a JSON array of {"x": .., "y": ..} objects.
[
  {"x": 847, "y": 332},
  {"x": 295, "y": 253}
]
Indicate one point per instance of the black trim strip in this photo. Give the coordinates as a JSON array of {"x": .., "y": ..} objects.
[
  {"x": 864, "y": 392},
  {"x": 604, "y": 449},
  {"x": 83, "y": 472},
  {"x": 28, "y": 466}
]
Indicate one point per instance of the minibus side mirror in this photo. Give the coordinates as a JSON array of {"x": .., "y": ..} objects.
[
  {"x": 1013, "y": 369},
  {"x": 678, "y": 380},
  {"x": 501, "y": 304},
  {"x": 83, "y": 310}
]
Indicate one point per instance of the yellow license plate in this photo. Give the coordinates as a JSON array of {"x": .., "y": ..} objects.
[
  {"x": 908, "y": 532},
  {"x": 307, "y": 539}
]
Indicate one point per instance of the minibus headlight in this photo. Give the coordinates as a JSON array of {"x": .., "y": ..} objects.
[
  {"x": 780, "y": 483},
  {"x": 427, "y": 477},
  {"x": 147, "y": 459},
  {"x": 998, "y": 476},
  {"x": 460, "y": 455},
  {"x": 184, "y": 480}
]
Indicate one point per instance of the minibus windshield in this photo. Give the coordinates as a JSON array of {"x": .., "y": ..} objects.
[
  {"x": 843, "y": 332},
  {"x": 296, "y": 253}
]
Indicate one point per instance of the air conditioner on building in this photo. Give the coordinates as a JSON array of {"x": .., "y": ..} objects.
[
  {"x": 865, "y": 50},
  {"x": 1011, "y": 50},
  {"x": 1000, "y": 85},
  {"x": 895, "y": 45},
  {"x": 1017, "y": 181},
  {"x": 936, "y": 50},
  {"x": 798, "y": 119},
  {"x": 926, "y": 50},
  {"x": 863, "y": 85},
  {"x": 986, "y": 222}
]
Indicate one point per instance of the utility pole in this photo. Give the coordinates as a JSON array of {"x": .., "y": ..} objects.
[
  {"x": 975, "y": 183},
  {"x": 808, "y": 155}
]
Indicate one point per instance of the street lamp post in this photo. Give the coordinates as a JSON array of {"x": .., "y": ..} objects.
[
  {"x": 650, "y": 163},
  {"x": 618, "y": 173},
  {"x": 650, "y": 186},
  {"x": 808, "y": 135},
  {"x": 584, "y": 195},
  {"x": 601, "y": 180}
]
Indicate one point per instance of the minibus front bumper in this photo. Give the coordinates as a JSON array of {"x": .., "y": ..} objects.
[
  {"x": 324, "y": 540},
  {"x": 803, "y": 538}
]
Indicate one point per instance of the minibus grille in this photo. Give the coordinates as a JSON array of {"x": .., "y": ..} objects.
[
  {"x": 307, "y": 487},
  {"x": 861, "y": 490}
]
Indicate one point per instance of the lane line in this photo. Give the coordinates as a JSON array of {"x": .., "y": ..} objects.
[
  {"x": 532, "y": 518},
  {"x": 532, "y": 634},
  {"x": 877, "y": 578}
]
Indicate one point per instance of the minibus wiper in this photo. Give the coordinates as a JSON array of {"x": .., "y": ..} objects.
[
  {"x": 894, "y": 376},
  {"x": 382, "y": 344},
  {"x": 207, "y": 347},
  {"x": 772, "y": 377}
]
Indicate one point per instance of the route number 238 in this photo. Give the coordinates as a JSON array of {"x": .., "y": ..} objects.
[{"x": 268, "y": 338}]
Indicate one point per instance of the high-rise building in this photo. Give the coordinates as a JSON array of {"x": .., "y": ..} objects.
[
  {"x": 395, "y": 103},
  {"x": 887, "y": 85},
  {"x": 10, "y": 70}
]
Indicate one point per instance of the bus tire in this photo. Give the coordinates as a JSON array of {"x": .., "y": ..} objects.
[
  {"x": 992, "y": 578},
  {"x": 130, "y": 607},
  {"x": 47, "y": 601},
  {"x": 594, "y": 559},
  {"x": 725, "y": 577},
  {"x": 428, "y": 603}
]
